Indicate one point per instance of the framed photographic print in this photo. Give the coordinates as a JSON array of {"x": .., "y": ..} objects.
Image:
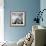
[{"x": 17, "y": 19}]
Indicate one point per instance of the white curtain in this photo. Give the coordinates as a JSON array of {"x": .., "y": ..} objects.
[{"x": 1, "y": 20}]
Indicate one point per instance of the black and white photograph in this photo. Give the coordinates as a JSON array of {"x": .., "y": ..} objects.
[{"x": 17, "y": 18}]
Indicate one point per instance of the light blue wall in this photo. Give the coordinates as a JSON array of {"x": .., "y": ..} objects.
[
  {"x": 30, "y": 7},
  {"x": 43, "y": 6}
]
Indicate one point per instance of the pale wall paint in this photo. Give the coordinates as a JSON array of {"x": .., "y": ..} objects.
[
  {"x": 30, "y": 7},
  {"x": 43, "y": 6}
]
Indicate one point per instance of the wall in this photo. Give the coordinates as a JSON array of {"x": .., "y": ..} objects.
[
  {"x": 43, "y": 6},
  {"x": 30, "y": 7}
]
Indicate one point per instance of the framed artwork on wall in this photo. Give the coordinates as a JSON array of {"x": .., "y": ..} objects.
[{"x": 17, "y": 18}]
